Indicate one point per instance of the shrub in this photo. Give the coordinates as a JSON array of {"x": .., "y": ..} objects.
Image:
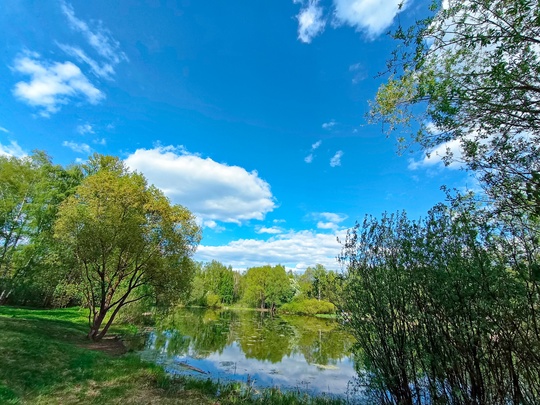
[{"x": 310, "y": 306}]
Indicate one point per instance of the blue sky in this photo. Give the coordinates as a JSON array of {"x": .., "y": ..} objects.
[{"x": 250, "y": 113}]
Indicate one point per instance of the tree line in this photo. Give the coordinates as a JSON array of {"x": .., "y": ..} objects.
[{"x": 266, "y": 288}]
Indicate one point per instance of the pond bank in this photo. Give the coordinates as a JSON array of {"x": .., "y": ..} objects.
[{"x": 46, "y": 359}]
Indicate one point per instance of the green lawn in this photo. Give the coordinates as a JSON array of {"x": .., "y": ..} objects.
[{"x": 45, "y": 358}]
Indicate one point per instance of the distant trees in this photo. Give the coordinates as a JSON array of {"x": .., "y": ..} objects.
[{"x": 128, "y": 240}]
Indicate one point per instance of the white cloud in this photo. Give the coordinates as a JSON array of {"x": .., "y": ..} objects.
[
  {"x": 332, "y": 216},
  {"x": 99, "y": 38},
  {"x": 13, "y": 149},
  {"x": 329, "y": 220},
  {"x": 369, "y": 16},
  {"x": 212, "y": 225},
  {"x": 77, "y": 147},
  {"x": 294, "y": 249},
  {"x": 2, "y": 129},
  {"x": 272, "y": 230},
  {"x": 329, "y": 125},
  {"x": 358, "y": 71},
  {"x": 52, "y": 84},
  {"x": 85, "y": 129},
  {"x": 99, "y": 141},
  {"x": 309, "y": 158},
  {"x": 310, "y": 21},
  {"x": 336, "y": 159},
  {"x": 435, "y": 157},
  {"x": 212, "y": 190},
  {"x": 106, "y": 70}
]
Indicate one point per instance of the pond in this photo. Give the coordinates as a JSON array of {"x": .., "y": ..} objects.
[{"x": 289, "y": 352}]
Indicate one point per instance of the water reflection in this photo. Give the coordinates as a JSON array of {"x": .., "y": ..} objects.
[{"x": 287, "y": 351}]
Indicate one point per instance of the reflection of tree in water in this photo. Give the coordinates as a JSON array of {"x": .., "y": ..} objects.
[
  {"x": 263, "y": 337},
  {"x": 201, "y": 331},
  {"x": 320, "y": 341},
  {"x": 260, "y": 336}
]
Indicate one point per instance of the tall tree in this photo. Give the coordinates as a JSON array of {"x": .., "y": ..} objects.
[
  {"x": 267, "y": 285},
  {"x": 31, "y": 189},
  {"x": 128, "y": 240},
  {"x": 469, "y": 78}
]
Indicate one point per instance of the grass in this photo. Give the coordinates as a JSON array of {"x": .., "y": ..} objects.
[{"x": 45, "y": 358}]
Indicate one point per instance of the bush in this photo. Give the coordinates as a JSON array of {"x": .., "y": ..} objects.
[
  {"x": 308, "y": 307},
  {"x": 213, "y": 300}
]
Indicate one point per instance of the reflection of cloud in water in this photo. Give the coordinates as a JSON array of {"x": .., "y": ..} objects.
[
  {"x": 291, "y": 372},
  {"x": 286, "y": 352}
]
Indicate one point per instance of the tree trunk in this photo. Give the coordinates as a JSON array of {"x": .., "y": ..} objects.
[{"x": 96, "y": 324}]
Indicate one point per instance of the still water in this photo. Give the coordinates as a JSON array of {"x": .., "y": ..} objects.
[{"x": 289, "y": 352}]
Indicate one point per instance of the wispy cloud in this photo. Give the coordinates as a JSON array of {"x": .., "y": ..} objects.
[
  {"x": 100, "y": 141},
  {"x": 105, "y": 70},
  {"x": 309, "y": 158},
  {"x": 77, "y": 147},
  {"x": 2, "y": 129},
  {"x": 336, "y": 159},
  {"x": 13, "y": 149},
  {"x": 98, "y": 37},
  {"x": 368, "y": 16},
  {"x": 329, "y": 124},
  {"x": 84, "y": 129},
  {"x": 213, "y": 191},
  {"x": 52, "y": 84},
  {"x": 311, "y": 21},
  {"x": 358, "y": 71}
]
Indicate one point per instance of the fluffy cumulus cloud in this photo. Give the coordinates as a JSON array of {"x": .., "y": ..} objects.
[
  {"x": 336, "y": 159},
  {"x": 329, "y": 220},
  {"x": 369, "y": 16},
  {"x": 13, "y": 149},
  {"x": 311, "y": 21},
  {"x": 295, "y": 250},
  {"x": 52, "y": 84},
  {"x": 213, "y": 191},
  {"x": 435, "y": 157},
  {"x": 271, "y": 230}
]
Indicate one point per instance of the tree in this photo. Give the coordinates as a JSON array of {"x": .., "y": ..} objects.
[
  {"x": 128, "y": 240},
  {"x": 267, "y": 285},
  {"x": 469, "y": 77},
  {"x": 31, "y": 190}
]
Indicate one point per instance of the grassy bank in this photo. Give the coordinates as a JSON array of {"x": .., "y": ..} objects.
[{"x": 46, "y": 359}]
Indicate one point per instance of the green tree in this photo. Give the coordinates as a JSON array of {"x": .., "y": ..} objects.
[
  {"x": 128, "y": 240},
  {"x": 469, "y": 78},
  {"x": 267, "y": 285},
  {"x": 31, "y": 189}
]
